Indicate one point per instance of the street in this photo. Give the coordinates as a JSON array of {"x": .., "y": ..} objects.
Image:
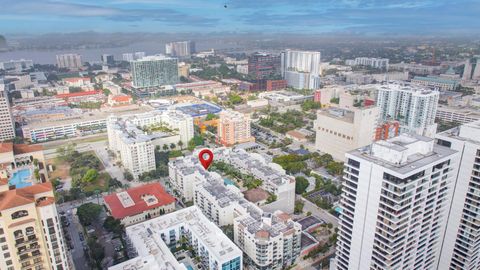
[{"x": 318, "y": 212}]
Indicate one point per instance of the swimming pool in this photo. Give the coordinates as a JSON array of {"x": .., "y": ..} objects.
[
  {"x": 338, "y": 209},
  {"x": 189, "y": 267},
  {"x": 227, "y": 182},
  {"x": 20, "y": 179}
]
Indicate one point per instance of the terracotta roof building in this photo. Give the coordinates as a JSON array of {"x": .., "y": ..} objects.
[
  {"x": 138, "y": 204},
  {"x": 30, "y": 229}
]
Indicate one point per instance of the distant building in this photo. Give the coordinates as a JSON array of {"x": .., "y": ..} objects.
[
  {"x": 263, "y": 65},
  {"x": 301, "y": 69},
  {"x": 302, "y": 80},
  {"x": 273, "y": 85},
  {"x": 138, "y": 204},
  {"x": 16, "y": 65},
  {"x": 7, "y": 126},
  {"x": 69, "y": 61},
  {"x": 139, "y": 55},
  {"x": 233, "y": 128},
  {"x": 30, "y": 233},
  {"x": 180, "y": 48},
  {"x": 154, "y": 71},
  {"x": 413, "y": 106},
  {"x": 119, "y": 100},
  {"x": 128, "y": 57},
  {"x": 151, "y": 241},
  {"x": 339, "y": 130},
  {"x": 471, "y": 70},
  {"x": 381, "y": 63},
  {"x": 108, "y": 59},
  {"x": 203, "y": 88},
  {"x": 22, "y": 159},
  {"x": 435, "y": 82},
  {"x": 457, "y": 114}
]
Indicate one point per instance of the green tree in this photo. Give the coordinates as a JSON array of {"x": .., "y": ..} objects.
[
  {"x": 113, "y": 225},
  {"x": 298, "y": 209},
  {"x": 172, "y": 146},
  {"x": 88, "y": 212},
  {"x": 165, "y": 147},
  {"x": 180, "y": 144},
  {"x": 211, "y": 116},
  {"x": 301, "y": 184},
  {"x": 90, "y": 176},
  {"x": 128, "y": 175}
]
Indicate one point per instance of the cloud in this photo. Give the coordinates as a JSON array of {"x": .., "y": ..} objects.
[{"x": 64, "y": 9}]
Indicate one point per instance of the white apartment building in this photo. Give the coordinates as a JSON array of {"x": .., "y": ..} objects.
[
  {"x": 301, "y": 69},
  {"x": 369, "y": 61},
  {"x": 461, "y": 245},
  {"x": 30, "y": 232},
  {"x": 234, "y": 127},
  {"x": 341, "y": 130},
  {"x": 301, "y": 61},
  {"x": 16, "y": 65},
  {"x": 153, "y": 71},
  {"x": 151, "y": 240},
  {"x": 414, "y": 107},
  {"x": 135, "y": 137},
  {"x": 395, "y": 202},
  {"x": 128, "y": 57},
  {"x": 461, "y": 115},
  {"x": 180, "y": 48},
  {"x": 7, "y": 126},
  {"x": 69, "y": 61},
  {"x": 269, "y": 237}
]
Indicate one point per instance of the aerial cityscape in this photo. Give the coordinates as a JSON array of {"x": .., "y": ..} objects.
[{"x": 230, "y": 135}]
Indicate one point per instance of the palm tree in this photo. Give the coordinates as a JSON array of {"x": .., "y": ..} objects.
[
  {"x": 165, "y": 147},
  {"x": 172, "y": 146},
  {"x": 180, "y": 144}
]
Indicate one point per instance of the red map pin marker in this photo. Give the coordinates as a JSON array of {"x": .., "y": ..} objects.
[{"x": 206, "y": 161}]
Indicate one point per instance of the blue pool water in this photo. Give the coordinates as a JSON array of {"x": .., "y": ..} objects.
[
  {"x": 227, "y": 182},
  {"x": 338, "y": 209},
  {"x": 189, "y": 267},
  {"x": 20, "y": 179}
]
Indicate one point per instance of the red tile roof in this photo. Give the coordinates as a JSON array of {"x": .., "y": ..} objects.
[
  {"x": 6, "y": 147},
  {"x": 18, "y": 197},
  {"x": 25, "y": 148},
  {"x": 136, "y": 193},
  {"x": 121, "y": 98},
  {"x": 78, "y": 94}
]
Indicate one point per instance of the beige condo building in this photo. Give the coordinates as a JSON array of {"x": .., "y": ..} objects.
[
  {"x": 340, "y": 130},
  {"x": 30, "y": 233}
]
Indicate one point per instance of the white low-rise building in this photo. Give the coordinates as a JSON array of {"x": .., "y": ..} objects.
[{"x": 151, "y": 241}]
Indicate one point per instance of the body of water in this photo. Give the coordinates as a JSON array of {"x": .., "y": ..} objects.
[{"x": 21, "y": 178}]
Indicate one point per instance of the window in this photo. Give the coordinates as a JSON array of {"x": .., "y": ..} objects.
[{"x": 20, "y": 214}]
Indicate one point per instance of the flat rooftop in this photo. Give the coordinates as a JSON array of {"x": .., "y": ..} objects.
[
  {"x": 146, "y": 238},
  {"x": 404, "y": 153},
  {"x": 196, "y": 110},
  {"x": 85, "y": 117}
]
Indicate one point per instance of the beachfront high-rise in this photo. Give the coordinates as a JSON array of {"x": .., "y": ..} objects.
[{"x": 153, "y": 71}]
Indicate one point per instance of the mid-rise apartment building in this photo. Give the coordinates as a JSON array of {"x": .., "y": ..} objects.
[
  {"x": 368, "y": 61},
  {"x": 461, "y": 245},
  {"x": 7, "y": 126},
  {"x": 340, "y": 130},
  {"x": 152, "y": 239},
  {"x": 30, "y": 232},
  {"x": 471, "y": 70},
  {"x": 135, "y": 137},
  {"x": 233, "y": 128},
  {"x": 263, "y": 65},
  {"x": 154, "y": 71},
  {"x": 395, "y": 203},
  {"x": 69, "y": 61},
  {"x": 413, "y": 107}
]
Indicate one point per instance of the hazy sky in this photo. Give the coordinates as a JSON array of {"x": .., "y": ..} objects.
[{"x": 302, "y": 16}]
